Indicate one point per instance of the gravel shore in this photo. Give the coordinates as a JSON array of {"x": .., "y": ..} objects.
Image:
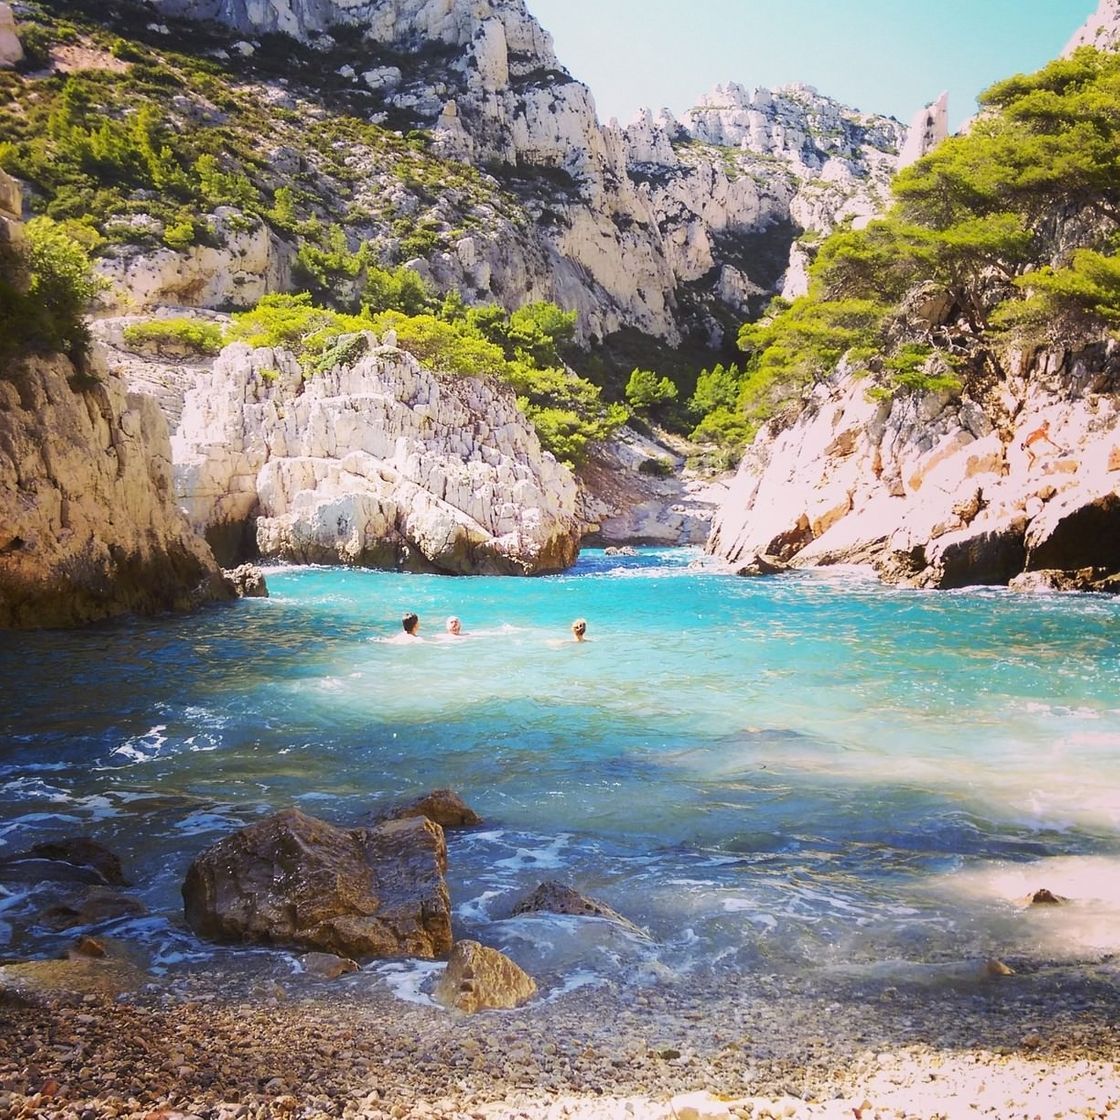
[{"x": 1037, "y": 1045}]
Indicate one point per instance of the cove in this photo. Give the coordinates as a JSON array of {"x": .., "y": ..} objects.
[{"x": 810, "y": 771}]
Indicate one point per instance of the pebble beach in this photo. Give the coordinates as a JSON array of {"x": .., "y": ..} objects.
[{"x": 1037, "y": 1045}]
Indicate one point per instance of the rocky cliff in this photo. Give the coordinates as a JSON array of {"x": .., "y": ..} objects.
[
  {"x": 88, "y": 524},
  {"x": 511, "y": 190},
  {"x": 942, "y": 490},
  {"x": 376, "y": 461}
]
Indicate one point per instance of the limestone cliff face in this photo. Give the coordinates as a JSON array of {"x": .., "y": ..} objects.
[
  {"x": 378, "y": 462},
  {"x": 937, "y": 491},
  {"x": 666, "y": 227},
  {"x": 88, "y": 524},
  {"x": 1100, "y": 30}
]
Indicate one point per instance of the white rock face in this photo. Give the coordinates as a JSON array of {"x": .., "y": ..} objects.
[
  {"x": 928, "y": 489},
  {"x": 88, "y": 524},
  {"x": 380, "y": 463},
  {"x": 643, "y": 227},
  {"x": 1100, "y": 30},
  {"x": 928, "y": 128},
  {"x": 248, "y": 264},
  {"x": 11, "y": 51}
]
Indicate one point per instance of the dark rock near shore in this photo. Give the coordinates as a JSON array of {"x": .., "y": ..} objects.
[
  {"x": 478, "y": 977},
  {"x": 763, "y": 565},
  {"x": 295, "y": 880},
  {"x": 1074, "y": 532},
  {"x": 78, "y": 852},
  {"x": 98, "y": 904},
  {"x": 557, "y": 898},
  {"x": 247, "y": 580},
  {"x": 444, "y": 806},
  {"x": 1044, "y": 897}
]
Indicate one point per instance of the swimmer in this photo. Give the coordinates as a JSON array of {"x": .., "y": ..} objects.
[
  {"x": 579, "y": 629},
  {"x": 411, "y": 624},
  {"x": 454, "y": 627}
]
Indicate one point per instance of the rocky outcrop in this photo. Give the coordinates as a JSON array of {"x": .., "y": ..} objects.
[
  {"x": 666, "y": 227},
  {"x": 928, "y": 128},
  {"x": 937, "y": 491},
  {"x": 634, "y": 490},
  {"x": 88, "y": 524},
  {"x": 11, "y": 52},
  {"x": 444, "y": 806},
  {"x": 247, "y": 581},
  {"x": 379, "y": 463},
  {"x": 1100, "y": 30},
  {"x": 295, "y": 880},
  {"x": 246, "y": 261},
  {"x": 552, "y": 897},
  {"x": 478, "y": 977}
]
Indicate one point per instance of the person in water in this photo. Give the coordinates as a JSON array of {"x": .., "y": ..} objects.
[
  {"x": 411, "y": 624},
  {"x": 579, "y": 629},
  {"x": 454, "y": 627}
]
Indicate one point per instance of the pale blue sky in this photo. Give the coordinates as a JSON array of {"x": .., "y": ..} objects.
[{"x": 883, "y": 56}]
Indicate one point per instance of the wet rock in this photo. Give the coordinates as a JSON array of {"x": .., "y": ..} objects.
[
  {"x": 247, "y": 580},
  {"x": 996, "y": 967},
  {"x": 1044, "y": 897},
  {"x": 295, "y": 880},
  {"x": 109, "y": 976},
  {"x": 556, "y": 898},
  {"x": 478, "y": 977},
  {"x": 327, "y": 966},
  {"x": 763, "y": 565},
  {"x": 98, "y": 904},
  {"x": 79, "y": 853},
  {"x": 444, "y": 806}
]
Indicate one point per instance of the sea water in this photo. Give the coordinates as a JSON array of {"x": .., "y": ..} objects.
[{"x": 808, "y": 771}]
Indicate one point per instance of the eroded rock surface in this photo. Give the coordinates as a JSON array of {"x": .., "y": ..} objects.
[
  {"x": 479, "y": 977},
  {"x": 937, "y": 490},
  {"x": 379, "y": 463},
  {"x": 299, "y": 881}
]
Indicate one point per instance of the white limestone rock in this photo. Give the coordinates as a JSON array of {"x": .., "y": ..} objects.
[
  {"x": 931, "y": 490},
  {"x": 928, "y": 128},
  {"x": 11, "y": 50},
  {"x": 1100, "y": 30},
  {"x": 380, "y": 463},
  {"x": 246, "y": 264}
]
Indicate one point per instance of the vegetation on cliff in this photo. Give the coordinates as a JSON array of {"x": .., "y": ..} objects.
[{"x": 1006, "y": 236}]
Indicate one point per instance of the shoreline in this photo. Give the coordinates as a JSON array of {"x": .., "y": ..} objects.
[{"x": 1039, "y": 1044}]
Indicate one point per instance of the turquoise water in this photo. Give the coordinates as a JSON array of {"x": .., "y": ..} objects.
[{"x": 806, "y": 771}]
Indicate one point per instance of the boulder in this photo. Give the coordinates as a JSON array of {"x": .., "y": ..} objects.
[
  {"x": 247, "y": 581},
  {"x": 763, "y": 565},
  {"x": 444, "y": 806},
  {"x": 557, "y": 898},
  {"x": 1044, "y": 897},
  {"x": 327, "y": 966},
  {"x": 11, "y": 51},
  {"x": 295, "y": 880},
  {"x": 478, "y": 977}
]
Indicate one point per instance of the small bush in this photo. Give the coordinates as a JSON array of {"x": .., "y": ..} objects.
[
  {"x": 175, "y": 337},
  {"x": 657, "y": 468}
]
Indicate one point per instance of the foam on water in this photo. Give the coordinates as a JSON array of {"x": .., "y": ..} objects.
[{"x": 810, "y": 770}]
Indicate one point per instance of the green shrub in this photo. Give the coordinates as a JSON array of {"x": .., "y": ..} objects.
[
  {"x": 646, "y": 392},
  {"x": 178, "y": 337},
  {"x": 657, "y": 468}
]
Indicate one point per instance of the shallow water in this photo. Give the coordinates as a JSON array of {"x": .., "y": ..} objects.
[{"x": 809, "y": 771}]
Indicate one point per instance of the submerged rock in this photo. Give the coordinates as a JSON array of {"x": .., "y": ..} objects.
[
  {"x": 98, "y": 904},
  {"x": 478, "y": 977},
  {"x": 78, "y": 852},
  {"x": 557, "y": 898},
  {"x": 295, "y": 880}
]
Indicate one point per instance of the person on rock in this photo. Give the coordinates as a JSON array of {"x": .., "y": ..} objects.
[{"x": 1041, "y": 434}]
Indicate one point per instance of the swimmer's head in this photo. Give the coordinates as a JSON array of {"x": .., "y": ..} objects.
[
  {"x": 411, "y": 622},
  {"x": 454, "y": 626},
  {"x": 579, "y": 628}
]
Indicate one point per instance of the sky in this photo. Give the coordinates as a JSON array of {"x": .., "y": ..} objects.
[{"x": 882, "y": 56}]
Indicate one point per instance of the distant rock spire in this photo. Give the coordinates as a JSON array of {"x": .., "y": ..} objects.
[
  {"x": 1100, "y": 30},
  {"x": 928, "y": 128}
]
